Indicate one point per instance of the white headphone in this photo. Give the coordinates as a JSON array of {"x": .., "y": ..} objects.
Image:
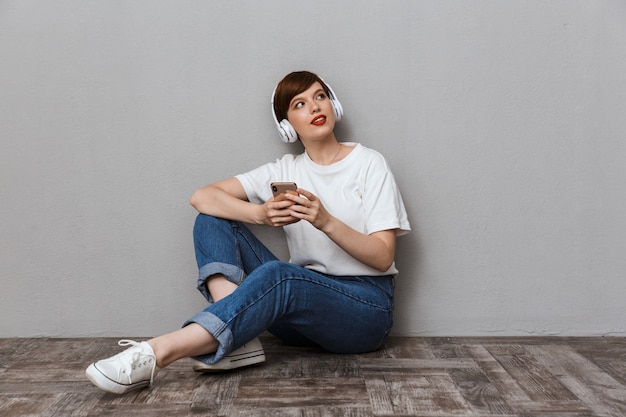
[{"x": 288, "y": 133}]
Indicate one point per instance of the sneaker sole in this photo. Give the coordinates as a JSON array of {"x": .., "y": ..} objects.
[
  {"x": 232, "y": 362},
  {"x": 106, "y": 384}
]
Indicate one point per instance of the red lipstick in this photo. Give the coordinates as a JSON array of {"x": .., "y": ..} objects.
[{"x": 318, "y": 120}]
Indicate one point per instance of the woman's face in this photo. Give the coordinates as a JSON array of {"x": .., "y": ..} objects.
[{"x": 311, "y": 113}]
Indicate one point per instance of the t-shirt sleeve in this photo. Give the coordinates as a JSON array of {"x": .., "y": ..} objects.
[
  {"x": 256, "y": 183},
  {"x": 382, "y": 201}
]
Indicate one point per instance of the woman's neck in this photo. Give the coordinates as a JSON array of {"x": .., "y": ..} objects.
[{"x": 325, "y": 153}]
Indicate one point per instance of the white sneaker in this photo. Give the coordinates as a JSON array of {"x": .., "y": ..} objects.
[
  {"x": 249, "y": 354},
  {"x": 131, "y": 369}
]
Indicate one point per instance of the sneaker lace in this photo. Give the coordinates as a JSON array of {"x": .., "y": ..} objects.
[{"x": 131, "y": 358}]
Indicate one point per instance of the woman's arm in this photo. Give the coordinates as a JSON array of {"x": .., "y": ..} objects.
[
  {"x": 376, "y": 250},
  {"x": 227, "y": 199}
]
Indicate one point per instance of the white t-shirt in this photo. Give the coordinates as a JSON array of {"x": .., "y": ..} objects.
[{"x": 359, "y": 190}]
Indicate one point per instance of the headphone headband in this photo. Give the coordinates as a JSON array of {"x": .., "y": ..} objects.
[{"x": 287, "y": 132}]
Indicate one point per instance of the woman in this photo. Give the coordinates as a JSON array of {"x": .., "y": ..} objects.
[{"x": 341, "y": 226}]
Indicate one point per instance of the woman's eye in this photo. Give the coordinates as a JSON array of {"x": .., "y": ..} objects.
[
  {"x": 299, "y": 105},
  {"x": 322, "y": 96}
]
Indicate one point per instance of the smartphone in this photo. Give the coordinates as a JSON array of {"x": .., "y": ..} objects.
[{"x": 279, "y": 188}]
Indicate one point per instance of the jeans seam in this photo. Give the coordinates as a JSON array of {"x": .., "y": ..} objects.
[
  {"x": 382, "y": 291},
  {"x": 237, "y": 231},
  {"x": 348, "y": 294}
]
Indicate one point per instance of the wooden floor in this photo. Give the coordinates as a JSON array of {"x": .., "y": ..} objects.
[{"x": 407, "y": 377}]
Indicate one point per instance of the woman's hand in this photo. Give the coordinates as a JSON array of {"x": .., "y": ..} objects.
[
  {"x": 277, "y": 212},
  {"x": 307, "y": 206}
]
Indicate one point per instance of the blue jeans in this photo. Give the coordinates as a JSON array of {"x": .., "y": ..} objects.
[{"x": 341, "y": 314}]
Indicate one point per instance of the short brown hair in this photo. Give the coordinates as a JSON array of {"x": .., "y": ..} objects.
[{"x": 292, "y": 85}]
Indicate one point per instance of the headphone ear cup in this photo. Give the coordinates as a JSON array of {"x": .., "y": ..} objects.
[
  {"x": 287, "y": 132},
  {"x": 338, "y": 108}
]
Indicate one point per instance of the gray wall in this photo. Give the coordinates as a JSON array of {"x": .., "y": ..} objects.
[{"x": 503, "y": 122}]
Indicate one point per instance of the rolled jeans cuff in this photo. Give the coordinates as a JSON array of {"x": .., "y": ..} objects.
[
  {"x": 232, "y": 273},
  {"x": 218, "y": 329}
]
